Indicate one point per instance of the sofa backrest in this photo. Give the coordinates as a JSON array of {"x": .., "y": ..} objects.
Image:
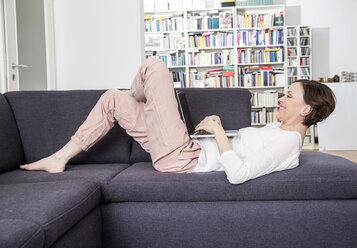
[
  {"x": 233, "y": 106},
  {"x": 11, "y": 153},
  {"x": 47, "y": 120}
]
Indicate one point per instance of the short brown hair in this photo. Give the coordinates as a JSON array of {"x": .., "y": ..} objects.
[{"x": 320, "y": 97}]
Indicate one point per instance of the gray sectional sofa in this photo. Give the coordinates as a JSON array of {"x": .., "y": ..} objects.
[{"x": 110, "y": 196}]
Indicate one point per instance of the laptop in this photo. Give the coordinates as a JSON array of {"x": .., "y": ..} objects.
[{"x": 186, "y": 118}]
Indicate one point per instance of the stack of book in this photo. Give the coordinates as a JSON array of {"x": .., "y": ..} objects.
[
  {"x": 221, "y": 78},
  {"x": 304, "y": 41},
  {"x": 305, "y": 51},
  {"x": 291, "y": 32},
  {"x": 269, "y": 98},
  {"x": 292, "y": 52},
  {"x": 212, "y": 19},
  {"x": 163, "y": 23},
  {"x": 264, "y": 20},
  {"x": 171, "y": 59},
  {"x": 305, "y": 71},
  {"x": 210, "y": 39},
  {"x": 304, "y": 31},
  {"x": 210, "y": 58},
  {"x": 253, "y": 2},
  {"x": 250, "y": 56},
  {"x": 264, "y": 116},
  {"x": 196, "y": 79},
  {"x": 261, "y": 37},
  {"x": 292, "y": 72},
  {"x": 179, "y": 78},
  {"x": 174, "y": 41},
  {"x": 291, "y": 41},
  {"x": 305, "y": 61},
  {"x": 259, "y": 76}
]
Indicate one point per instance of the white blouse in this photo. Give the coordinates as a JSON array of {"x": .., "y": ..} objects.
[{"x": 256, "y": 152}]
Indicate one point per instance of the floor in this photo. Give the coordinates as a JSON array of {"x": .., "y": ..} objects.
[{"x": 350, "y": 155}]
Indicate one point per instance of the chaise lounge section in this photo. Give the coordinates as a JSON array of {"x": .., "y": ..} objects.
[{"x": 111, "y": 196}]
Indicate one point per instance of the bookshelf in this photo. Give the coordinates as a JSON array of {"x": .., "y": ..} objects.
[
  {"x": 298, "y": 65},
  {"x": 230, "y": 47},
  {"x": 208, "y": 43},
  {"x": 298, "y": 53}
]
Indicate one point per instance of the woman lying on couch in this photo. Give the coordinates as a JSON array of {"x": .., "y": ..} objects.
[{"x": 149, "y": 113}]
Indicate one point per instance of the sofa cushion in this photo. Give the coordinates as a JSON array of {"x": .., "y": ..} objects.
[
  {"x": 231, "y": 105},
  {"x": 231, "y": 224},
  {"x": 100, "y": 173},
  {"x": 48, "y": 119},
  {"x": 87, "y": 233},
  {"x": 11, "y": 153},
  {"x": 20, "y": 233},
  {"x": 319, "y": 176},
  {"x": 55, "y": 206}
]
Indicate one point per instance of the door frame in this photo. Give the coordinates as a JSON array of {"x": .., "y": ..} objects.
[
  {"x": 3, "y": 57},
  {"x": 50, "y": 44},
  {"x": 9, "y": 45}
]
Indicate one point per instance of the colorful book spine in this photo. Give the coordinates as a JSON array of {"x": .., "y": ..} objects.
[
  {"x": 254, "y": 56},
  {"x": 210, "y": 39},
  {"x": 258, "y": 20},
  {"x": 224, "y": 56},
  {"x": 260, "y": 37},
  {"x": 209, "y": 20},
  {"x": 264, "y": 116},
  {"x": 163, "y": 23}
]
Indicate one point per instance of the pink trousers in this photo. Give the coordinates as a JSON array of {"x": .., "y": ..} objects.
[{"x": 148, "y": 113}]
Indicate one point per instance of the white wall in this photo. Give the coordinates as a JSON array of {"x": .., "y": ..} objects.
[
  {"x": 338, "y": 131},
  {"x": 98, "y": 43},
  {"x": 334, "y": 33}
]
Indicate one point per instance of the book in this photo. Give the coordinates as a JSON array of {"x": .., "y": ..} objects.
[
  {"x": 279, "y": 20},
  {"x": 179, "y": 79},
  {"x": 265, "y": 20},
  {"x": 268, "y": 98},
  {"x": 280, "y": 79},
  {"x": 211, "y": 58},
  {"x": 252, "y": 56},
  {"x": 161, "y": 23}
]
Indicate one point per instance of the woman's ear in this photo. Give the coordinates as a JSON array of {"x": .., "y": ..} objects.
[{"x": 306, "y": 110}]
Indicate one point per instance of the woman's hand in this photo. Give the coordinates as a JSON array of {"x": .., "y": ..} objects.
[{"x": 209, "y": 124}]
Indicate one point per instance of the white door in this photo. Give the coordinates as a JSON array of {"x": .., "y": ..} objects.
[
  {"x": 25, "y": 45},
  {"x": 11, "y": 55}
]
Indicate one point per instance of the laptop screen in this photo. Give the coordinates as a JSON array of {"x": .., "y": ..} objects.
[{"x": 185, "y": 111}]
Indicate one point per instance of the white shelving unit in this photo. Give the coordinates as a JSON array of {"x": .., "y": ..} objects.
[
  {"x": 298, "y": 53},
  {"x": 236, "y": 28},
  {"x": 298, "y": 65},
  {"x": 187, "y": 17}
]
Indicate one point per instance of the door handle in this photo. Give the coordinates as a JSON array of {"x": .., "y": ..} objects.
[{"x": 13, "y": 66}]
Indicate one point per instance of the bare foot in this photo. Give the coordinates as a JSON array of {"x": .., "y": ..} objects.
[{"x": 50, "y": 164}]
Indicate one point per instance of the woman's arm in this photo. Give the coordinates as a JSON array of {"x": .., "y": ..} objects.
[
  {"x": 212, "y": 124},
  {"x": 281, "y": 154},
  {"x": 222, "y": 140}
]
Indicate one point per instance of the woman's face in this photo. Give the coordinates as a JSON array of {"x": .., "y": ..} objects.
[{"x": 292, "y": 105}]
